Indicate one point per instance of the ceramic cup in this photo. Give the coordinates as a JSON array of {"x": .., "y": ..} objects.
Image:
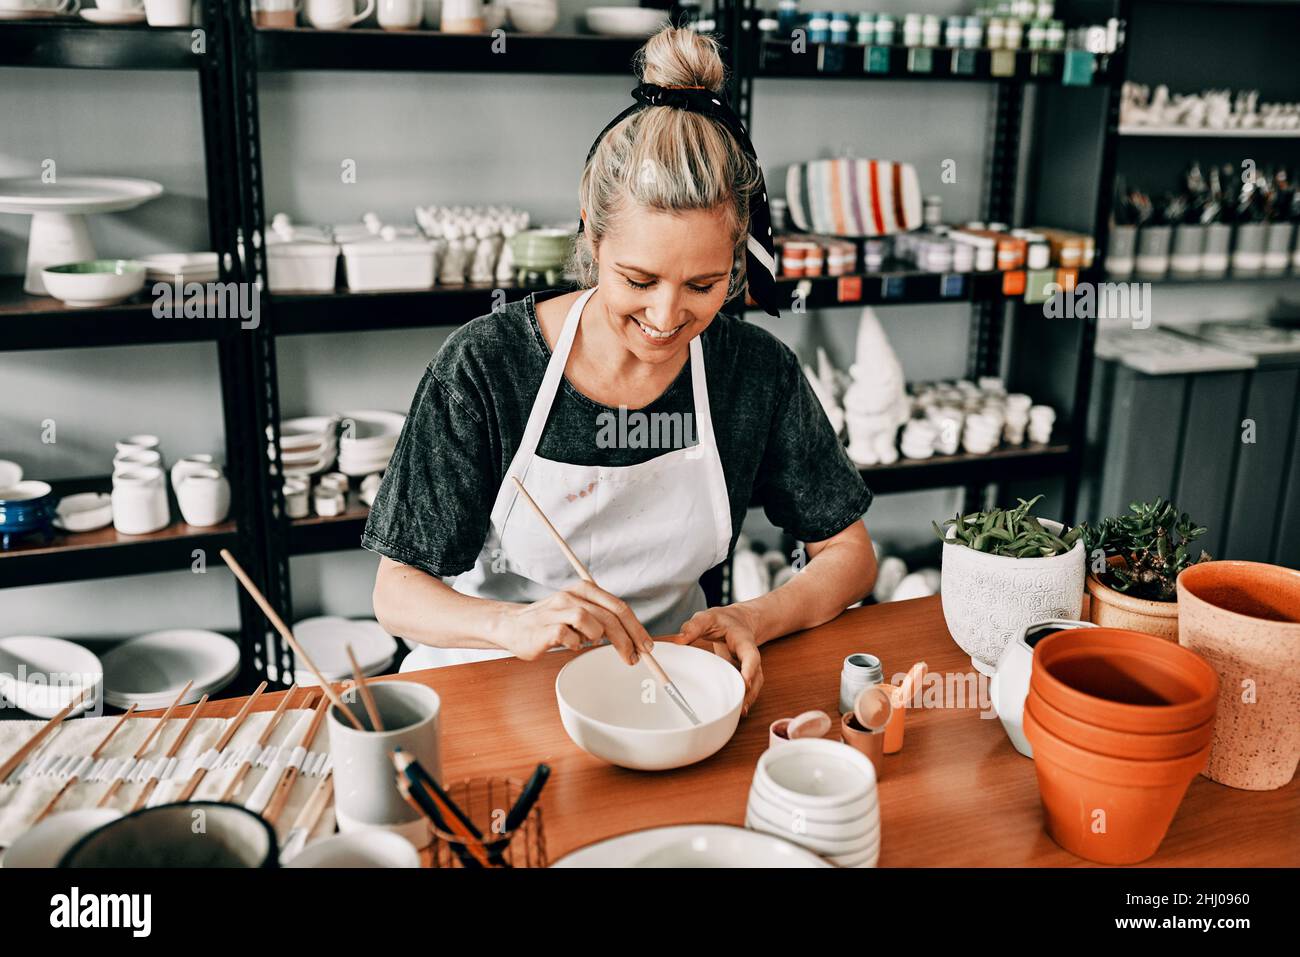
[
  {"x": 1244, "y": 618},
  {"x": 296, "y": 503},
  {"x": 399, "y": 14},
  {"x": 776, "y": 732},
  {"x": 168, "y": 13},
  {"x": 204, "y": 497},
  {"x": 140, "y": 501},
  {"x": 870, "y": 743},
  {"x": 365, "y": 783},
  {"x": 1120, "y": 251},
  {"x": 336, "y": 14},
  {"x": 1248, "y": 248},
  {"x": 276, "y": 13},
  {"x": 1214, "y": 257}
]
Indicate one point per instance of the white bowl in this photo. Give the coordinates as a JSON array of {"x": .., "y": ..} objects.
[
  {"x": 25, "y": 491},
  {"x": 369, "y": 847},
  {"x": 113, "y": 282},
  {"x": 817, "y": 774},
  {"x": 691, "y": 845},
  {"x": 41, "y": 676},
  {"x": 858, "y": 825},
  {"x": 45, "y": 844},
  {"x": 602, "y": 706},
  {"x": 309, "y": 431},
  {"x": 531, "y": 16},
  {"x": 85, "y": 511},
  {"x": 625, "y": 21},
  {"x": 370, "y": 431},
  {"x": 844, "y": 814}
]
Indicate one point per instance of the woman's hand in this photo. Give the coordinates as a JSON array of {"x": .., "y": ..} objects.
[
  {"x": 579, "y": 615},
  {"x": 731, "y": 631}
]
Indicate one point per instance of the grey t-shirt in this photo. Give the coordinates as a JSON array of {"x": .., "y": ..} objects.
[{"x": 778, "y": 450}]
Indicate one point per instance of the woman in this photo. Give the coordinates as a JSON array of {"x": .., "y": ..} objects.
[{"x": 579, "y": 395}]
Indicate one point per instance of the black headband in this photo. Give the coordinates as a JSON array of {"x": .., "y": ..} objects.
[{"x": 760, "y": 260}]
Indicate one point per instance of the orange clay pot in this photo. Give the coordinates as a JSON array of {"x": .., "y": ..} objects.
[
  {"x": 1245, "y": 618},
  {"x": 1114, "y": 609},
  {"x": 1119, "y": 744},
  {"x": 1104, "y": 809},
  {"x": 1124, "y": 680}
]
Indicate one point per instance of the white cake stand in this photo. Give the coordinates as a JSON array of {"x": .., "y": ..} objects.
[{"x": 58, "y": 210}]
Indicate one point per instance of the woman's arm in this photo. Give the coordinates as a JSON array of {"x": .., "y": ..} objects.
[{"x": 840, "y": 572}]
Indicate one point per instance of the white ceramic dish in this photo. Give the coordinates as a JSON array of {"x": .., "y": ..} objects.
[
  {"x": 602, "y": 707},
  {"x": 113, "y": 17},
  {"x": 62, "y": 670},
  {"x": 850, "y": 827},
  {"x": 155, "y": 666},
  {"x": 314, "y": 454},
  {"x": 45, "y": 844},
  {"x": 625, "y": 21},
  {"x": 692, "y": 845},
  {"x": 301, "y": 265},
  {"x": 325, "y": 639},
  {"x": 817, "y": 774},
  {"x": 117, "y": 281},
  {"x": 378, "y": 263},
  {"x": 85, "y": 512},
  {"x": 530, "y": 16},
  {"x": 25, "y": 491},
  {"x": 11, "y": 473},
  {"x": 830, "y": 849},
  {"x": 372, "y": 847},
  {"x": 305, "y": 432},
  {"x": 180, "y": 267},
  {"x": 848, "y": 813}
]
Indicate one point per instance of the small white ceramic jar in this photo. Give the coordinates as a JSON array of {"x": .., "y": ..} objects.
[
  {"x": 860, "y": 670},
  {"x": 204, "y": 497}
]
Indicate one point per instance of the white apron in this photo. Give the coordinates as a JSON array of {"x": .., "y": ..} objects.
[{"x": 646, "y": 532}]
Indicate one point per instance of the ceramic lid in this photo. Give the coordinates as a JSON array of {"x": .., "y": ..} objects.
[{"x": 302, "y": 249}]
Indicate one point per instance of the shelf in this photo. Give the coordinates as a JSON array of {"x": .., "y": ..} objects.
[
  {"x": 776, "y": 58},
  {"x": 895, "y": 285},
  {"x": 429, "y": 51},
  {"x": 1192, "y": 133},
  {"x": 42, "y": 322},
  {"x": 315, "y": 534},
  {"x": 75, "y": 43},
  {"x": 106, "y": 553},
  {"x": 1233, "y": 278},
  {"x": 942, "y": 471}
]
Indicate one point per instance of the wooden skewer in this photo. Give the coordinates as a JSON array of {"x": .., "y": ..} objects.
[
  {"x": 319, "y": 800},
  {"x": 286, "y": 634},
  {"x": 73, "y": 779},
  {"x": 41, "y": 734},
  {"x": 366, "y": 697},
  {"x": 289, "y": 776},
  {"x": 141, "y": 751},
  {"x": 152, "y": 783},
  {"x": 199, "y": 774},
  {"x": 233, "y": 787},
  {"x": 660, "y": 675}
]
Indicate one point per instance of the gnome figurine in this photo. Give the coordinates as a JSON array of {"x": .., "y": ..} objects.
[{"x": 876, "y": 403}]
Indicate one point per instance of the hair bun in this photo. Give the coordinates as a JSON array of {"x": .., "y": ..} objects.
[{"x": 676, "y": 56}]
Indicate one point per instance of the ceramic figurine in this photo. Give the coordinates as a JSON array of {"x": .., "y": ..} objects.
[
  {"x": 485, "y": 254},
  {"x": 505, "y": 271},
  {"x": 832, "y": 409},
  {"x": 452, "y": 271},
  {"x": 876, "y": 402}
]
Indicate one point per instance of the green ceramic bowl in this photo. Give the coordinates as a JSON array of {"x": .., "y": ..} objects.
[{"x": 96, "y": 282}]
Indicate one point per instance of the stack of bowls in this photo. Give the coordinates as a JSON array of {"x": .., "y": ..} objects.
[
  {"x": 820, "y": 794},
  {"x": 368, "y": 440},
  {"x": 1120, "y": 722},
  {"x": 308, "y": 445},
  {"x": 26, "y": 506}
]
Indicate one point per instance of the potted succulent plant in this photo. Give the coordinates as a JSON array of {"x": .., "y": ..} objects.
[
  {"x": 1002, "y": 570},
  {"x": 1134, "y": 561}
]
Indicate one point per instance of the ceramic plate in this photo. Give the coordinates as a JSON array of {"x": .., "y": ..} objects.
[
  {"x": 61, "y": 670},
  {"x": 326, "y": 639},
  {"x": 306, "y": 431},
  {"x": 157, "y": 665},
  {"x": 85, "y": 512},
  {"x": 692, "y": 845},
  {"x": 113, "y": 16},
  {"x": 45, "y": 844}
]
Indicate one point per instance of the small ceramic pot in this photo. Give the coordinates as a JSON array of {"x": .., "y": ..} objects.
[
  {"x": 1010, "y": 683},
  {"x": 870, "y": 743},
  {"x": 140, "y": 501},
  {"x": 1218, "y": 242},
  {"x": 1105, "y": 809},
  {"x": 1124, "y": 680},
  {"x": 296, "y": 503},
  {"x": 1152, "y": 260},
  {"x": 1118, "y": 744},
  {"x": 189, "y": 465},
  {"x": 989, "y": 599},
  {"x": 776, "y": 733},
  {"x": 204, "y": 497},
  {"x": 1114, "y": 609},
  {"x": 1244, "y": 617}
]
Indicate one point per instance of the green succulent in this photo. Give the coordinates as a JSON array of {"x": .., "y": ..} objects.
[
  {"x": 1154, "y": 543},
  {"x": 1011, "y": 532}
]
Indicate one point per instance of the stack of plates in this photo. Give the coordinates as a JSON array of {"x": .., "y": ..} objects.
[
  {"x": 325, "y": 639},
  {"x": 180, "y": 267},
  {"x": 41, "y": 676},
  {"x": 308, "y": 445},
  {"x": 151, "y": 670},
  {"x": 368, "y": 439}
]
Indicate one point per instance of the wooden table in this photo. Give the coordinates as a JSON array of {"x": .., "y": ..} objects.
[{"x": 957, "y": 794}]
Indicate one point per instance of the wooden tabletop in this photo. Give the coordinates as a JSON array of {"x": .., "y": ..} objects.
[{"x": 957, "y": 794}]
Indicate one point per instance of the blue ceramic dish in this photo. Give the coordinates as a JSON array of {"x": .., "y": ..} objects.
[{"x": 25, "y": 508}]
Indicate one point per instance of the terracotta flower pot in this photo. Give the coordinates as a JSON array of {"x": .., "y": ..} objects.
[
  {"x": 1105, "y": 809},
  {"x": 1114, "y": 609},
  {"x": 1124, "y": 680},
  {"x": 1245, "y": 618},
  {"x": 1119, "y": 744}
]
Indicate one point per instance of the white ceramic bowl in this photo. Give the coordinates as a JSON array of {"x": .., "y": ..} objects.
[
  {"x": 371, "y": 847},
  {"x": 41, "y": 676},
  {"x": 817, "y": 774},
  {"x": 85, "y": 511},
  {"x": 793, "y": 829},
  {"x": 852, "y": 826},
  {"x": 625, "y": 21},
  {"x": 691, "y": 845},
  {"x": 45, "y": 844},
  {"x": 97, "y": 283},
  {"x": 530, "y": 16},
  {"x": 310, "y": 431},
  {"x": 602, "y": 706},
  {"x": 25, "y": 491}
]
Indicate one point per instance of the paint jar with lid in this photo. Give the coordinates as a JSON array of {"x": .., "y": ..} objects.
[
  {"x": 794, "y": 257},
  {"x": 1015, "y": 34},
  {"x": 952, "y": 32},
  {"x": 997, "y": 33},
  {"x": 912, "y": 26},
  {"x": 932, "y": 214},
  {"x": 861, "y": 670},
  {"x": 814, "y": 261},
  {"x": 972, "y": 33},
  {"x": 931, "y": 31},
  {"x": 873, "y": 255},
  {"x": 886, "y": 29},
  {"x": 1036, "y": 35},
  {"x": 963, "y": 257},
  {"x": 866, "y": 28},
  {"x": 787, "y": 17},
  {"x": 839, "y": 27},
  {"x": 819, "y": 27},
  {"x": 841, "y": 257},
  {"x": 768, "y": 26},
  {"x": 1055, "y": 39},
  {"x": 1045, "y": 9}
]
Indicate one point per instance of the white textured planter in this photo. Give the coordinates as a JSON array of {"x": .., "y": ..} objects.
[{"x": 989, "y": 599}]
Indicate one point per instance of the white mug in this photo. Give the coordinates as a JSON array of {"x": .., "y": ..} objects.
[
  {"x": 204, "y": 497},
  {"x": 336, "y": 14},
  {"x": 140, "y": 501},
  {"x": 400, "y": 14},
  {"x": 119, "y": 6},
  {"x": 168, "y": 13}
]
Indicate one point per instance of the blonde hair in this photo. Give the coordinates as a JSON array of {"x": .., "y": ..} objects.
[{"x": 668, "y": 159}]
